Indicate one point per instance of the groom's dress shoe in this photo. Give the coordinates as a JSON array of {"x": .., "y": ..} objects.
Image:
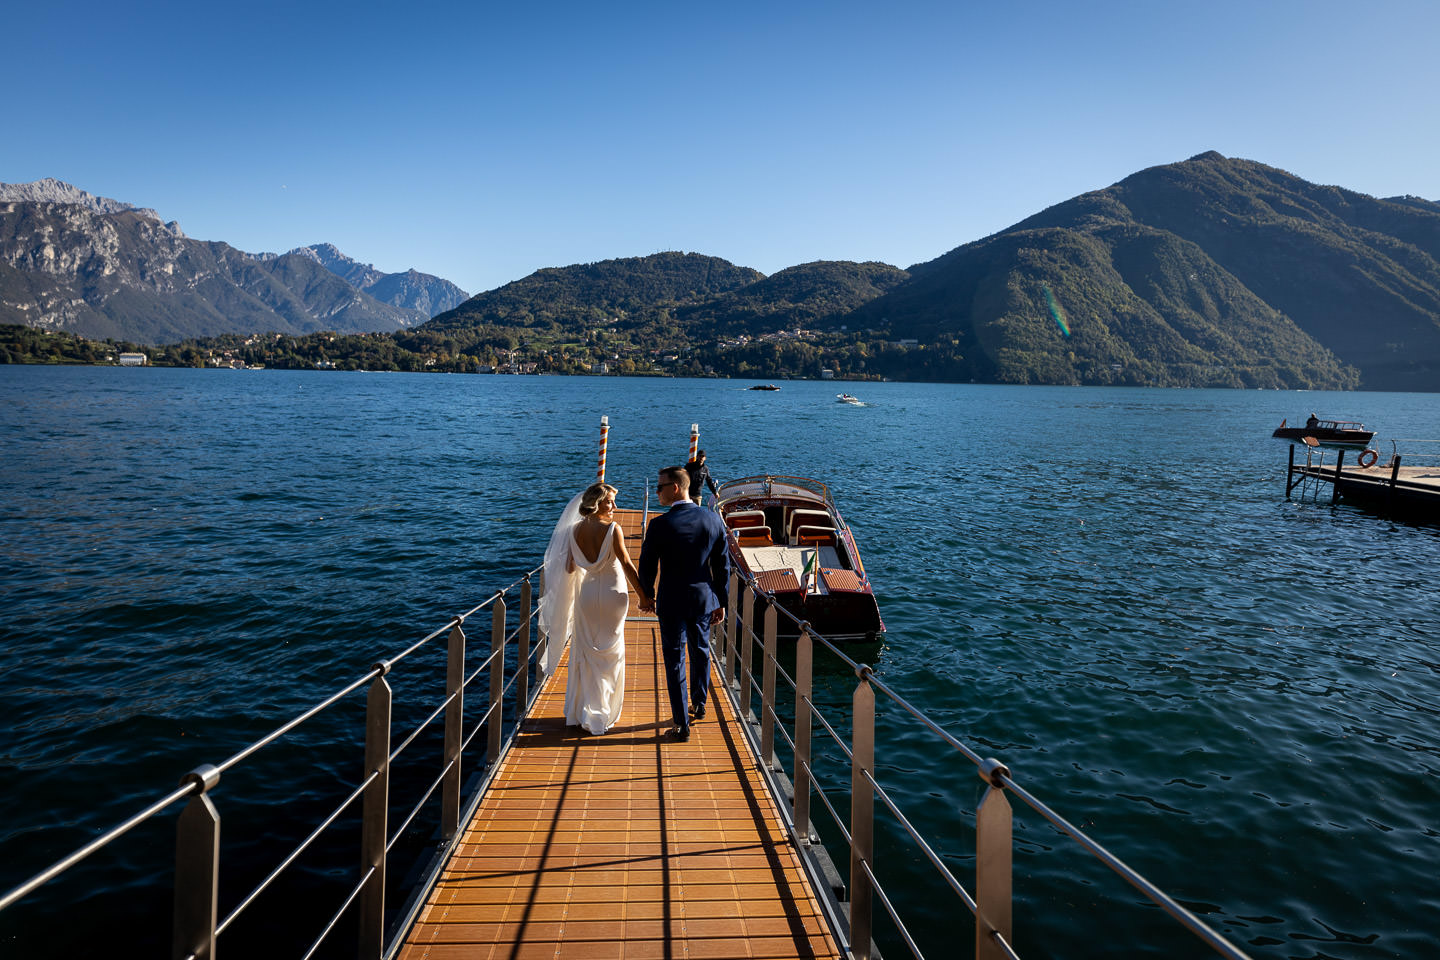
[
  {"x": 698, "y": 713},
  {"x": 681, "y": 733}
]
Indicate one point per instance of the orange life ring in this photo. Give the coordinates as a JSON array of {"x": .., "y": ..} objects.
[{"x": 1371, "y": 455}]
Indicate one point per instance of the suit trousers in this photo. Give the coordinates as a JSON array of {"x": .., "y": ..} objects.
[{"x": 680, "y": 636}]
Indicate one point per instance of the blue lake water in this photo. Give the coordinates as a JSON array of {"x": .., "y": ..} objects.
[{"x": 1104, "y": 588}]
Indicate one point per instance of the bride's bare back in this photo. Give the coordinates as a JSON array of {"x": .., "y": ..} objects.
[{"x": 590, "y": 537}]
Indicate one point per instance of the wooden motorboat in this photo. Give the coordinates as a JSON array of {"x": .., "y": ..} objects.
[
  {"x": 786, "y": 534},
  {"x": 764, "y": 386},
  {"x": 1327, "y": 433}
]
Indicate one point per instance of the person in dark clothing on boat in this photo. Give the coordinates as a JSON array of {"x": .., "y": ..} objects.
[
  {"x": 1312, "y": 423},
  {"x": 699, "y": 477}
]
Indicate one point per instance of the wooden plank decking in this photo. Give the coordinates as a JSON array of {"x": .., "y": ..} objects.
[
  {"x": 1424, "y": 478},
  {"x": 627, "y": 845},
  {"x": 1413, "y": 494}
]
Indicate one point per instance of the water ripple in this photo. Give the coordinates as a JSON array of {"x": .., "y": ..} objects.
[{"x": 1105, "y": 588}]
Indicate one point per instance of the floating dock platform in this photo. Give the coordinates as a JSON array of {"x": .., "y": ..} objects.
[
  {"x": 625, "y": 845},
  {"x": 1390, "y": 488}
]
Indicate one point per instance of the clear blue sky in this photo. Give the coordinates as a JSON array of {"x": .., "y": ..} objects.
[{"x": 481, "y": 142}]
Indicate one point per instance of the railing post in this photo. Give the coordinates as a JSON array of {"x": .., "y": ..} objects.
[
  {"x": 1335, "y": 484},
  {"x": 1394, "y": 475},
  {"x": 731, "y": 625},
  {"x": 522, "y": 655},
  {"x": 376, "y": 800},
  {"x": 767, "y": 693},
  {"x": 197, "y": 871},
  {"x": 542, "y": 645},
  {"x": 804, "y": 671},
  {"x": 454, "y": 733},
  {"x": 862, "y": 815},
  {"x": 497, "y": 679},
  {"x": 993, "y": 847},
  {"x": 747, "y": 643}
]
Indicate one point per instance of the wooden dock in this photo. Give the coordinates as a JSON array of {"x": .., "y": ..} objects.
[
  {"x": 1412, "y": 492},
  {"x": 628, "y": 845}
]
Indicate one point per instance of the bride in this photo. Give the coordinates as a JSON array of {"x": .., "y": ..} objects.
[{"x": 585, "y": 600}]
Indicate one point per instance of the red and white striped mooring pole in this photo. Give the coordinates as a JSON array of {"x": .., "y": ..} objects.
[
  {"x": 604, "y": 437},
  {"x": 694, "y": 442}
]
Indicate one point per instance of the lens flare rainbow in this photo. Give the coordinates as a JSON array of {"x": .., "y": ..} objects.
[{"x": 1055, "y": 311}]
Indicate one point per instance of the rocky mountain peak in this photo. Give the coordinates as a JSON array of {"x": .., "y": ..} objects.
[{"x": 50, "y": 190}]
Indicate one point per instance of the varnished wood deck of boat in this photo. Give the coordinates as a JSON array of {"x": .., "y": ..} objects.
[{"x": 624, "y": 846}]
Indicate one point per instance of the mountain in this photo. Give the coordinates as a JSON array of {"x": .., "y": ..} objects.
[
  {"x": 1208, "y": 272},
  {"x": 611, "y": 292},
  {"x": 74, "y": 262},
  {"x": 50, "y": 190},
  {"x": 412, "y": 289},
  {"x": 796, "y": 297},
  {"x": 1211, "y": 271},
  {"x": 358, "y": 275}
]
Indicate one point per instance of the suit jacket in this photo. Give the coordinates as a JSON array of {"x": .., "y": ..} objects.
[{"x": 686, "y": 544}]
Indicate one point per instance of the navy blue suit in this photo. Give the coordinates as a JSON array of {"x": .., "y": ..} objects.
[{"x": 686, "y": 545}]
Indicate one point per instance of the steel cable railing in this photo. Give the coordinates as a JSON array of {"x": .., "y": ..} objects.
[
  {"x": 285, "y": 728},
  {"x": 419, "y": 805},
  {"x": 921, "y": 842},
  {"x": 992, "y": 939},
  {"x": 992, "y": 900},
  {"x": 294, "y": 855},
  {"x": 104, "y": 840},
  {"x": 435, "y": 784},
  {"x": 1194, "y": 923},
  {"x": 335, "y": 918},
  {"x": 197, "y": 832},
  {"x": 890, "y": 909}
]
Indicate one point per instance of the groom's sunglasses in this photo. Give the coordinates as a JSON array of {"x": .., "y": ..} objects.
[{"x": 662, "y": 486}]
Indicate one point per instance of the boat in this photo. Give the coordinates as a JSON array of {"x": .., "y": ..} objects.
[
  {"x": 787, "y": 535},
  {"x": 764, "y": 386},
  {"x": 1327, "y": 433},
  {"x": 846, "y": 398}
]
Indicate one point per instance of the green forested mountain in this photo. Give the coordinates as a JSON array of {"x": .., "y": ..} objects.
[
  {"x": 802, "y": 296},
  {"x": 611, "y": 292},
  {"x": 1211, "y": 271}
]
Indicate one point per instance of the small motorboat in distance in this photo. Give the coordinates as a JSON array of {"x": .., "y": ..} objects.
[
  {"x": 1327, "y": 433},
  {"x": 764, "y": 386},
  {"x": 786, "y": 533},
  {"x": 846, "y": 398}
]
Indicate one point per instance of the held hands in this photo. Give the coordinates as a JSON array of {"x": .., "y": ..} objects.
[{"x": 647, "y": 604}]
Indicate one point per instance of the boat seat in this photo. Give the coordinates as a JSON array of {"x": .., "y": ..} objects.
[
  {"x": 745, "y": 518},
  {"x": 800, "y": 517},
  {"x": 815, "y": 536},
  {"x": 753, "y": 536}
]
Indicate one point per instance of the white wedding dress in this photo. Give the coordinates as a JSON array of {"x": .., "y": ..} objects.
[{"x": 595, "y": 687}]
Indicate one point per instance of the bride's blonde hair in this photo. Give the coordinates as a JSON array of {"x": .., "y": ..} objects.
[{"x": 590, "y": 499}]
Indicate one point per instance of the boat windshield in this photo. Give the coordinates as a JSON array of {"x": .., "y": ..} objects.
[{"x": 769, "y": 485}]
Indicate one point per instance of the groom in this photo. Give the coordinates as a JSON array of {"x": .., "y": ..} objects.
[{"x": 687, "y": 546}]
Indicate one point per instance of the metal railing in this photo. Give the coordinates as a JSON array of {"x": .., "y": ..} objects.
[
  {"x": 196, "y": 923},
  {"x": 991, "y": 901}
]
